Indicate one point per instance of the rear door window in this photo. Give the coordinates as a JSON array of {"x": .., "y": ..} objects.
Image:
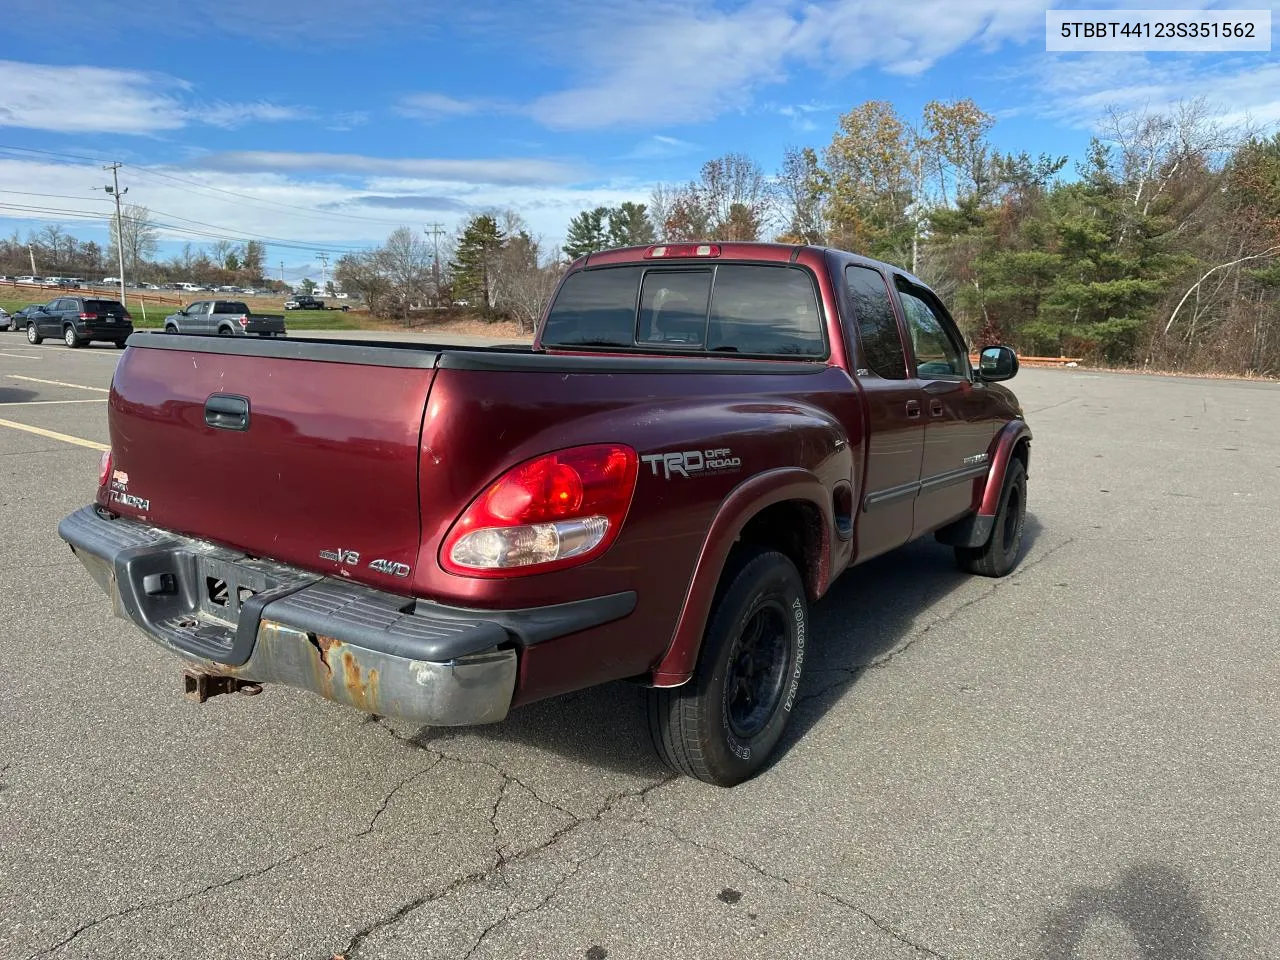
[{"x": 877, "y": 325}]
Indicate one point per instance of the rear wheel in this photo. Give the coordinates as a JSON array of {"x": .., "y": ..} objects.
[
  {"x": 1000, "y": 553},
  {"x": 33, "y": 335},
  {"x": 722, "y": 726},
  {"x": 69, "y": 337},
  {"x": 121, "y": 344}
]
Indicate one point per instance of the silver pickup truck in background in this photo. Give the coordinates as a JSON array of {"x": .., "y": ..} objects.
[{"x": 224, "y": 318}]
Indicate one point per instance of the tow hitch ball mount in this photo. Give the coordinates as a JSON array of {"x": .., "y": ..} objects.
[{"x": 199, "y": 686}]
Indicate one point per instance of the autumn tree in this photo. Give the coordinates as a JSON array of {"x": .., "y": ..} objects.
[{"x": 800, "y": 187}]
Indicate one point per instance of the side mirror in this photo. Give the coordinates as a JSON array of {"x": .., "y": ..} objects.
[{"x": 997, "y": 363}]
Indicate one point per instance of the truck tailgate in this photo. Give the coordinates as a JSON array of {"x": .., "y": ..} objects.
[
  {"x": 321, "y": 472},
  {"x": 262, "y": 323}
]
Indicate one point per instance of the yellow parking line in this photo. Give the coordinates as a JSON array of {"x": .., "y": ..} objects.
[
  {"x": 57, "y": 383},
  {"x": 54, "y": 435}
]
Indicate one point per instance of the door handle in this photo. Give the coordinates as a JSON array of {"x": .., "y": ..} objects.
[
  {"x": 227, "y": 412},
  {"x": 913, "y": 409},
  {"x": 935, "y": 407}
]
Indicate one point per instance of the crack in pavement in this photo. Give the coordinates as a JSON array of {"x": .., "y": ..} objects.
[
  {"x": 240, "y": 877},
  {"x": 883, "y": 925},
  {"x": 856, "y": 670},
  {"x": 509, "y": 916},
  {"x": 501, "y": 860}
]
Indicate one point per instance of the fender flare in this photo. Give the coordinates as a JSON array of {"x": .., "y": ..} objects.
[{"x": 676, "y": 665}]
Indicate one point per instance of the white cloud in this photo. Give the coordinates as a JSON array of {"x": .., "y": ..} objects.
[
  {"x": 439, "y": 106},
  {"x": 307, "y": 209},
  {"x": 81, "y": 99},
  {"x": 1079, "y": 88},
  {"x": 684, "y": 64},
  {"x": 660, "y": 147},
  {"x": 499, "y": 171}
]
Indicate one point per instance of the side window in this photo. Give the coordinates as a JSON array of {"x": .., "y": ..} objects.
[
  {"x": 937, "y": 355},
  {"x": 877, "y": 325}
]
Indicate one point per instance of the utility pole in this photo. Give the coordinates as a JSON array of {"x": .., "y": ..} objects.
[
  {"x": 324, "y": 271},
  {"x": 32, "y": 250},
  {"x": 114, "y": 190},
  {"x": 282, "y": 273},
  {"x": 434, "y": 230}
]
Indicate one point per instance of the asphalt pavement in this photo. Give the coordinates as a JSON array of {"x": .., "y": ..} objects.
[{"x": 1078, "y": 761}]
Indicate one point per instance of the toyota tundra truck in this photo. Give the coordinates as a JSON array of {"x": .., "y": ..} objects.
[{"x": 700, "y": 439}]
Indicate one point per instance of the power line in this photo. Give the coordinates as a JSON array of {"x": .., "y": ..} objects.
[{"x": 145, "y": 171}]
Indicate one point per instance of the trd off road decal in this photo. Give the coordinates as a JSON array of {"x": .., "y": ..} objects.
[{"x": 687, "y": 463}]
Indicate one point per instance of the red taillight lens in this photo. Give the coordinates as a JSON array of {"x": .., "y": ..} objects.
[
  {"x": 88, "y": 316},
  {"x": 127, "y": 315},
  {"x": 554, "y": 511},
  {"x": 104, "y": 468},
  {"x": 244, "y": 321},
  {"x": 683, "y": 250}
]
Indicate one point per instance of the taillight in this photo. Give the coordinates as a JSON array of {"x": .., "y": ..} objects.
[
  {"x": 244, "y": 321},
  {"x": 104, "y": 468},
  {"x": 88, "y": 316},
  {"x": 683, "y": 250},
  {"x": 126, "y": 315},
  {"x": 550, "y": 512}
]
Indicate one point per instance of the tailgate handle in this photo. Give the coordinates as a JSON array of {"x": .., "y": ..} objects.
[{"x": 227, "y": 412}]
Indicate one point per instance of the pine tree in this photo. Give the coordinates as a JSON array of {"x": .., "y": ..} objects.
[
  {"x": 480, "y": 242},
  {"x": 587, "y": 232},
  {"x": 629, "y": 225}
]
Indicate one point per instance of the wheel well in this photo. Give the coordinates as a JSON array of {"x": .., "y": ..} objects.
[
  {"x": 1022, "y": 451},
  {"x": 794, "y": 528}
]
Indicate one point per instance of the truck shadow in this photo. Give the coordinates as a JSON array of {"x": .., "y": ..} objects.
[
  {"x": 867, "y": 613},
  {"x": 1155, "y": 904},
  {"x": 15, "y": 395}
]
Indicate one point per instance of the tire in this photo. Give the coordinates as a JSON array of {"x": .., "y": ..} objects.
[
  {"x": 722, "y": 726},
  {"x": 121, "y": 344},
  {"x": 170, "y": 328},
  {"x": 33, "y": 335},
  {"x": 1000, "y": 553},
  {"x": 70, "y": 339},
  {"x": 225, "y": 332}
]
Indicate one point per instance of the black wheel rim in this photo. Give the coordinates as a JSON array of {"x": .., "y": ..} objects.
[
  {"x": 756, "y": 673},
  {"x": 1012, "y": 518}
]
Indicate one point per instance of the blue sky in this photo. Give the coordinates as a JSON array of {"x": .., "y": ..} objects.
[{"x": 327, "y": 123}]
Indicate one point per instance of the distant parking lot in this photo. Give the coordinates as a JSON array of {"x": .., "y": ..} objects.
[{"x": 1079, "y": 761}]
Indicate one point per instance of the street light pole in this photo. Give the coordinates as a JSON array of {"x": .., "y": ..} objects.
[{"x": 115, "y": 191}]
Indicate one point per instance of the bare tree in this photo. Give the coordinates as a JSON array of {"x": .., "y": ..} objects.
[
  {"x": 137, "y": 236},
  {"x": 405, "y": 262}
]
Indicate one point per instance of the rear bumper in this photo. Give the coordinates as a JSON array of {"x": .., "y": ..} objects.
[{"x": 232, "y": 615}]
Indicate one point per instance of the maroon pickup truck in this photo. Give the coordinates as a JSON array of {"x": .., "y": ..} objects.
[{"x": 701, "y": 438}]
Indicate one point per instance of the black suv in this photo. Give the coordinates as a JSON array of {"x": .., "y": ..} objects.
[{"x": 80, "y": 320}]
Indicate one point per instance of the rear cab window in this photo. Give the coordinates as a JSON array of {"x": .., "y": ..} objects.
[{"x": 749, "y": 309}]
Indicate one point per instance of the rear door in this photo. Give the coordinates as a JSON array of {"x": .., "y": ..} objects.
[
  {"x": 896, "y": 426},
  {"x": 958, "y": 428},
  {"x": 49, "y": 320}
]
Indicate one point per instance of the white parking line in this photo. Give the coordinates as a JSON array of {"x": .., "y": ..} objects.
[
  {"x": 54, "y": 435},
  {"x": 58, "y": 383},
  {"x": 38, "y": 403},
  {"x": 19, "y": 356}
]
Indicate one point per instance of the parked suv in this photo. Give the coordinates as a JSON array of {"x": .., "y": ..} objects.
[{"x": 80, "y": 320}]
